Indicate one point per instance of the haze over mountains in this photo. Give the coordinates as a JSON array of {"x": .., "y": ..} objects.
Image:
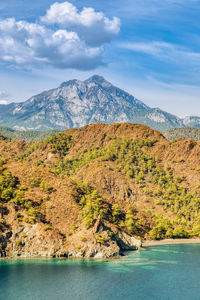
[{"x": 77, "y": 103}]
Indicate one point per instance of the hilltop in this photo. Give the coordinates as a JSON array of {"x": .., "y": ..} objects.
[
  {"x": 97, "y": 191},
  {"x": 76, "y": 103}
]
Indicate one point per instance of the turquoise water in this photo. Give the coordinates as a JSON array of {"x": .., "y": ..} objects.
[{"x": 158, "y": 273}]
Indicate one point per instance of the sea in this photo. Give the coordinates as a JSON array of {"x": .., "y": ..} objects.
[{"x": 169, "y": 272}]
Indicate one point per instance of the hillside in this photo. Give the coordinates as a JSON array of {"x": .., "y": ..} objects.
[
  {"x": 76, "y": 103},
  {"x": 97, "y": 191},
  {"x": 183, "y": 133}
]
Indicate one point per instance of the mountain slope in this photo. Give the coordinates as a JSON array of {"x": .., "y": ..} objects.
[
  {"x": 191, "y": 121},
  {"x": 96, "y": 191},
  {"x": 77, "y": 103}
]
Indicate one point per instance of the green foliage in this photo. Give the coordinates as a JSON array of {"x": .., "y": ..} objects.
[
  {"x": 116, "y": 213},
  {"x": 60, "y": 143},
  {"x": 44, "y": 186},
  {"x": 183, "y": 133},
  {"x": 3, "y": 161},
  {"x": 71, "y": 166},
  {"x": 126, "y": 153},
  {"x": 130, "y": 222},
  {"x": 196, "y": 230},
  {"x": 91, "y": 203},
  {"x": 130, "y": 159},
  {"x": 163, "y": 229},
  {"x": 47, "y": 228},
  {"x": 19, "y": 243},
  {"x": 36, "y": 182},
  {"x": 180, "y": 232},
  {"x": 101, "y": 239},
  {"x": 166, "y": 228},
  {"x": 19, "y": 198},
  {"x": 91, "y": 208},
  {"x": 12, "y": 192},
  {"x": 8, "y": 186}
]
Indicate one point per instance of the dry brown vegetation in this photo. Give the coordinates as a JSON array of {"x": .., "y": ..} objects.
[{"x": 127, "y": 174}]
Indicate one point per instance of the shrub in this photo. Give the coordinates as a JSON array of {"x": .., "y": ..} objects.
[
  {"x": 19, "y": 243},
  {"x": 180, "y": 232},
  {"x": 129, "y": 220},
  {"x": 60, "y": 143},
  {"x": 196, "y": 230}
]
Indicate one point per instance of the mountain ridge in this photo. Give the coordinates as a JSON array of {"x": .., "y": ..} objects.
[{"x": 77, "y": 103}]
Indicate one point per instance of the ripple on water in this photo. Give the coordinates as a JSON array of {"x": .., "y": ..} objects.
[{"x": 156, "y": 273}]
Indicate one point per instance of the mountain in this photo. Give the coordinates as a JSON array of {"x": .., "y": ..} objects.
[
  {"x": 77, "y": 103},
  {"x": 97, "y": 191},
  {"x": 191, "y": 121}
]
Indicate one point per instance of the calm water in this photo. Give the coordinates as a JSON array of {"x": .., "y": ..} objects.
[{"x": 165, "y": 272}]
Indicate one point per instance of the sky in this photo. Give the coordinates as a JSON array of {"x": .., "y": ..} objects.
[{"x": 151, "y": 49}]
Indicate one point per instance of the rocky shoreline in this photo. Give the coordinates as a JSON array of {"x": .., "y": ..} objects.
[
  {"x": 119, "y": 245},
  {"x": 101, "y": 241}
]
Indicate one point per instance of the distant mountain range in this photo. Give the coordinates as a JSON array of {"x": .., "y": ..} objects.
[
  {"x": 38, "y": 135},
  {"x": 77, "y": 103},
  {"x": 28, "y": 135}
]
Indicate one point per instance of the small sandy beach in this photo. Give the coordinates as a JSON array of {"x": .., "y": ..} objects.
[{"x": 170, "y": 242}]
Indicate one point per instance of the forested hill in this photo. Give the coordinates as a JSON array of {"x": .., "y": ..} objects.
[
  {"x": 96, "y": 191},
  {"x": 29, "y": 135},
  {"x": 183, "y": 133},
  {"x": 37, "y": 135}
]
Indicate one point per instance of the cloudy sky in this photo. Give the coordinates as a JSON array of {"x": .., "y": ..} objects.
[{"x": 149, "y": 48}]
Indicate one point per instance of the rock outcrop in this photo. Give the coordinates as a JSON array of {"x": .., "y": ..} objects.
[
  {"x": 104, "y": 242},
  {"x": 98, "y": 242}
]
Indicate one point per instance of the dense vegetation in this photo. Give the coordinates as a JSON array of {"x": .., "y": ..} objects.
[
  {"x": 152, "y": 179},
  {"x": 128, "y": 176},
  {"x": 11, "y": 192}
]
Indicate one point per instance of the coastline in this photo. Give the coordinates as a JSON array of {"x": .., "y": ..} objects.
[
  {"x": 152, "y": 243},
  {"x": 145, "y": 244}
]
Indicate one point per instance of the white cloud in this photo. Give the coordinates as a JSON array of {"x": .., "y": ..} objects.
[
  {"x": 165, "y": 51},
  {"x": 178, "y": 99},
  {"x": 24, "y": 43},
  {"x": 3, "y": 96},
  {"x": 92, "y": 26},
  {"x": 27, "y": 44},
  {"x": 3, "y": 102},
  {"x": 154, "y": 10}
]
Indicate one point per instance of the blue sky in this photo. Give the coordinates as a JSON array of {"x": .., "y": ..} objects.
[{"x": 149, "y": 48}]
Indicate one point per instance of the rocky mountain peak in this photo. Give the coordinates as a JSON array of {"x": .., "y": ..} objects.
[
  {"x": 76, "y": 103},
  {"x": 70, "y": 83},
  {"x": 96, "y": 77}
]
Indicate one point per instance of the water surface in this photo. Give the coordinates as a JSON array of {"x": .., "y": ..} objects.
[{"x": 159, "y": 273}]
